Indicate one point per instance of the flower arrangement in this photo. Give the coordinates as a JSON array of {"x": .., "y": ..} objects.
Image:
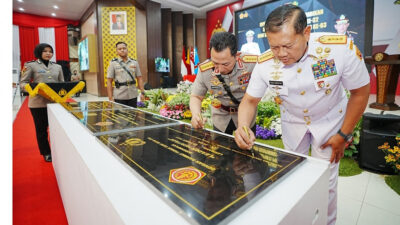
[
  {"x": 184, "y": 87},
  {"x": 157, "y": 98},
  {"x": 268, "y": 122},
  {"x": 141, "y": 104},
  {"x": 265, "y": 133},
  {"x": 177, "y": 107},
  {"x": 392, "y": 155}
]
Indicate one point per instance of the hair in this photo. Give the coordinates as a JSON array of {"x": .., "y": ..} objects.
[
  {"x": 222, "y": 40},
  {"x": 120, "y": 42},
  {"x": 284, "y": 14},
  {"x": 40, "y": 48}
]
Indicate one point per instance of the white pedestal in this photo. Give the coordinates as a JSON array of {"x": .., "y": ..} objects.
[{"x": 99, "y": 188}]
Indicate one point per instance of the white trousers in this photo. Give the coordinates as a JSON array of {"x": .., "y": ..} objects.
[{"x": 317, "y": 152}]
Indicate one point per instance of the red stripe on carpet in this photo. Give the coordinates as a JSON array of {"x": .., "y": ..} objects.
[{"x": 36, "y": 198}]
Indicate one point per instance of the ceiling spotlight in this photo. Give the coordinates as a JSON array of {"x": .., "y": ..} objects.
[
  {"x": 21, "y": 9},
  {"x": 56, "y": 7},
  {"x": 20, "y": 0},
  {"x": 53, "y": 14}
]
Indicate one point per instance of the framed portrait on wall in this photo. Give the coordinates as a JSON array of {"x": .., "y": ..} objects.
[{"x": 118, "y": 22}]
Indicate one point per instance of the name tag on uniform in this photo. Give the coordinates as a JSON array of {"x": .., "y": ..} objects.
[
  {"x": 215, "y": 87},
  {"x": 42, "y": 71},
  {"x": 276, "y": 82}
]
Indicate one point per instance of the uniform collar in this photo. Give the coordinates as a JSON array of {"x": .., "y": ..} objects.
[
  {"x": 120, "y": 60},
  {"x": 312, "y": 46}
]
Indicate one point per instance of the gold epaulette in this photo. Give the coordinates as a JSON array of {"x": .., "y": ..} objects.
[
  {"x": 206, "y": 66},
  {"x": 333, "y": 39},
  {"x": 249, "y": 58},
  {"x": 265, "y": 56},
  {"x": 114, "y": 59}
]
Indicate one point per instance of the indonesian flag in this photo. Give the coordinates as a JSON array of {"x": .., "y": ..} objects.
[
  {"x": 192, "y": 60},
  {"x": 184, "y": 71}
]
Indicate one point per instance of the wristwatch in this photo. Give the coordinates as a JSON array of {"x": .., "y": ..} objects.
[{"x": 346, "y": 137}]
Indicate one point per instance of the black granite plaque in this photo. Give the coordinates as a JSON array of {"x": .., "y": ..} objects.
[
  {"x": 93, "y": 106},
  {"x": 203, "y": 173},
  {"x": 119, "y": 120}
]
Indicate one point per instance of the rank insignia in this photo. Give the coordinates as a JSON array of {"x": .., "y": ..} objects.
[
  {"x": 215, "y": 81},
  {"x": 333, "y": 39},
  {"x": 186, "y": 175},
  {"x": 206, "y": 66},
  {"x": 351, "y": 45},
  {"x": 321, "y": 84},
  {"x": 324, "y": 68},
  {"x": 244, "y": 78},
  {"x": 250, "y": 58},
  {"x": 358, "y": 52},
  {"x": 132, "y": 66},
  {"x": 265, "y": 56}
]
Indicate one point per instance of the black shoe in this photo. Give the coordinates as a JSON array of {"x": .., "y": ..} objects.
[{"x": 47, "y": 158}]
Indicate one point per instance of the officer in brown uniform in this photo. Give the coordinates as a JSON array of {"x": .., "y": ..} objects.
[
  {"x": 124, "y": 71},
  {"x": 226, "y": 76},
  {"x": 41, "y": 70}
]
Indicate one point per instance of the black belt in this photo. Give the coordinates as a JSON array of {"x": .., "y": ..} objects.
[
  {"x": 230, "y": 109},
  {"x": 118, "y": 84}
]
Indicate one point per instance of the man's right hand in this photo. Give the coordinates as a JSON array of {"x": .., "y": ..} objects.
[
  {"x": 244, "y": 140},
  {"x": 197, "y": 121}
]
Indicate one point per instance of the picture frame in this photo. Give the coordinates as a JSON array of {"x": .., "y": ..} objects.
[{"x": 118, "y": 22}]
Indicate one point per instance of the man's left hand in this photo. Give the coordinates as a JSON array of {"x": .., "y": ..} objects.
[{"x": 337, "y": 143}]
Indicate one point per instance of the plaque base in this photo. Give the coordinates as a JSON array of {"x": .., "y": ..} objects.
[{"x": 386, "y": 106}]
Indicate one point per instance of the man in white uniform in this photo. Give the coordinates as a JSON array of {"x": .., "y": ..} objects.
[
  {"x": 308, "y": 74},
  {"x": 250, "y": 47}
]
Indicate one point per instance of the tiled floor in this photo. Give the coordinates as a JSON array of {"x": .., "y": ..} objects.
[{"x": 364, "y": 199}]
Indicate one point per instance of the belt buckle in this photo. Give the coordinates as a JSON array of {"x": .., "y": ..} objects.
[{"x": 232, "y": 110}]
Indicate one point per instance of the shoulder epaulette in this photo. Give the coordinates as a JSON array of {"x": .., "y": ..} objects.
[
  {"x": 31, "y": 61},
  {"x": 265, "y": 56},
  {"x": 249, "y": 58},
  {"x": 52, "y": 62},
  {"x": 114, "y": 59},
  {"x": 206, "y": 66},
  {"x": 132, "y": 59},
  {"x": 333, "y": 39}
]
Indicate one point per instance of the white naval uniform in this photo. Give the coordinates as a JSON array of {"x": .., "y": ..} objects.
[
  {"x": 251, "y": 48},
  {"x": 312, "y": 109}
]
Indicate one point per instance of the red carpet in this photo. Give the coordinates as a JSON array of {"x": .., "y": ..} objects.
[{"x": 36, "y": 198}]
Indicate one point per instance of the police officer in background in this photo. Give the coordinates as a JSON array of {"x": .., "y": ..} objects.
[
  {"x": 308, "y": 74},
  {"x": 41, "y": 70},
  {"x": 250, "y": 47},
  {"x": 123, "y": 71},
  {"x": 226, "y": 76}
]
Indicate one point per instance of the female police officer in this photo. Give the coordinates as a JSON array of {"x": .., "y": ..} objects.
[{"x": 41, "y": 70}]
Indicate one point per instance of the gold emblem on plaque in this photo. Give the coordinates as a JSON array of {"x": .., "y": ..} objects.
[
  {"x": 62, "y": 92},
  {"x": 134, "y": 142},
  {"x": 187, "y": 175},
  {"x": 379, "y": 57}
]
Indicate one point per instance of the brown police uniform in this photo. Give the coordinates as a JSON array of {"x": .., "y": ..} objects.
[
  {"x": 127, "y": 87},
  {"x": 38, "y": 72},
  {"x": 224, "y": 109}
]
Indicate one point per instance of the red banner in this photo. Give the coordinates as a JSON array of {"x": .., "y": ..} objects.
[{"x": 220, "y": 16}]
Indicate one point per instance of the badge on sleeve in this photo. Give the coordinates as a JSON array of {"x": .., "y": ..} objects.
[{"x": 358, "y": 52}]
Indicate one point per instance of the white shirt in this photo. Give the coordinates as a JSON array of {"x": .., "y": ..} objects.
[
  {"x": 251, "y": 48},
  {"x": 316, "y": 104}
]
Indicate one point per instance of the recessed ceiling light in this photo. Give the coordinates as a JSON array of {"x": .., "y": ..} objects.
[
  {"x": 53, "y": 14},
  {"x": 20, "y": 0},
  {"x": 56, "y": 7},
  {"x": 21, "y": 9}
]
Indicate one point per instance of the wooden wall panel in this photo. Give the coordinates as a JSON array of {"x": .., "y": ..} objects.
[
  {"x": 141, "y": 42},
  {"x": 153, "y": 12},
  {"x": 177, "y": 44},
  {"x": 188, "y": 32},
  {"x": 166, "y": 34},
  {"x": 201, "y": 39}
]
